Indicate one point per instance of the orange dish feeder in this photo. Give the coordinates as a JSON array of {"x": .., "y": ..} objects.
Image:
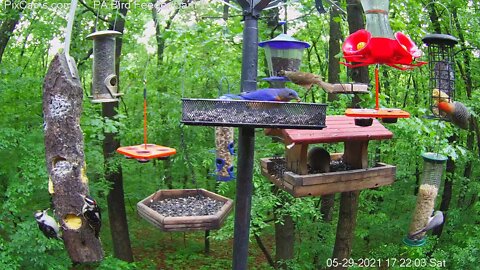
[
  {"x": 380, "y": 113},
  {"x": 146, "y": 151}
]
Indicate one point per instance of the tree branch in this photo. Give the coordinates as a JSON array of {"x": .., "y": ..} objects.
[{"x": 93, "y": 11}]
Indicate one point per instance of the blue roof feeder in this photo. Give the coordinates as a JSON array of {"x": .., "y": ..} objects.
[{"x": 283, "y": 53}]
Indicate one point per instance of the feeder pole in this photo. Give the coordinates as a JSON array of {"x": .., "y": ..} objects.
[{"x": 246, "y": 137}]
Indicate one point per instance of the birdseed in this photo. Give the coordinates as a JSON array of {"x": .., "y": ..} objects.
[
  {"x": 187, "y": 206},
  {"x": 424, "y": 208}
]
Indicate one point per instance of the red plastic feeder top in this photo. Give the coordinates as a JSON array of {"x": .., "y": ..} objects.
[
  {"x": 364, "y": 49},
  {"x": 146, "y": 151}
]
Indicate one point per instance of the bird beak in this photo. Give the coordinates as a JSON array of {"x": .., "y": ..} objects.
[{"x": 299, "y": 99}]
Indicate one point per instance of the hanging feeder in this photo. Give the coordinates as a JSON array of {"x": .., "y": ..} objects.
[
  {"x": 441, "y": 64},
  {"x": 185, "y": 209},
  {"x": 104, "y": 81},
  {"x": 283, "y": 53},
  {"x": 224, "y": 153},
  {"x": 377, "y": 44},
  {"x": 145, "y": 152},
  {"x": 427, "y": 193}
]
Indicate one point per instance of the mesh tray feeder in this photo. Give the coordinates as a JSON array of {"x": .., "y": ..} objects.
[
  {"x": 257, "y": 114},
  {"x": 178, "y": 205}
]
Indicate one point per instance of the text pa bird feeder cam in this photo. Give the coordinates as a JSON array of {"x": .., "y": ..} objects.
[
  {"x": 441, "y": 64},
  {"x": 283, "y": 53},
  {"x": 104, "y": 78},
  {"x": 424, "y": 216}
]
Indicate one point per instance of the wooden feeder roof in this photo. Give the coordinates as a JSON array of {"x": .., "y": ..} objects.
[{"x": 339, "y": 129}]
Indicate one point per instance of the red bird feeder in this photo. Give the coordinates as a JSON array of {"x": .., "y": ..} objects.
[{"x": 378, "y": 45}]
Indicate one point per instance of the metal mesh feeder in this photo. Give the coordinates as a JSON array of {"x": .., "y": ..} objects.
[
  {"x": 104, "y": 81},
  {"x": 441, "y": 64},
  {"x": 427, "y": 193},
  {"x": 256, "y": 114},
  {"x": 185, "y": 210}
]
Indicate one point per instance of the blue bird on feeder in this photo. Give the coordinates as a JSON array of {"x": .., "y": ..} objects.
[{"x": 265, "y": 94}]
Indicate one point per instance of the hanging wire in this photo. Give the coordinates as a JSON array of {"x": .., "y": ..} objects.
[{"x": 446, "y": 9}]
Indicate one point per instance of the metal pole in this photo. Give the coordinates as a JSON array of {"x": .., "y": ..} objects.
[
  {"x": 250, "y": 54},
  {"x": 243, "y": 201},
  {"x": 246, "y": 144}
]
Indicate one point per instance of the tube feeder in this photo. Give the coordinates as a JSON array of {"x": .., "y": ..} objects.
[
  {"x": 427, "y": 193},
  {"x": 104, "y": 78},
  {"x": 224, "y": 153},
  {"x": 283, "y": 53}
]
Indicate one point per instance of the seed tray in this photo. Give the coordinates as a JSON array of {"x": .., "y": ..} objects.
[
  {"x": 256, "y": 114},
  {"x": 185, "y": 218}
]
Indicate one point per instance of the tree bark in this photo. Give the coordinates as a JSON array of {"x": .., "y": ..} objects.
[
  {"x": 284, "y": 240},
  {"x": 62, "y": 108},
  {"x": 447, "y": 190},
  {"x": 8, "y": 25},
  {"x": 334, "y": 49},
  {"x": 113, "y": 171}
]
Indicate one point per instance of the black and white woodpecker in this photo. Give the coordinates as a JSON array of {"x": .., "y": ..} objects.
[
  {"x": 91, "y": 213},
  {"x": 47, "y": 224}
]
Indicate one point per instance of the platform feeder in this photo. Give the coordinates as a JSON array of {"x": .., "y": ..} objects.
[
  {"x": 104, "y": 78},
  {"x": 441, "y": 64},
  {"x": 427, "y": 193}
]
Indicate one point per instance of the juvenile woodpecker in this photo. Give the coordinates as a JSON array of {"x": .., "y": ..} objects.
[
  {"x": 47, "y": 224},
  {"x": 456, "y": 112},
  {"x": 433, "y": 222},
  {"x": 91, "y": 213}
]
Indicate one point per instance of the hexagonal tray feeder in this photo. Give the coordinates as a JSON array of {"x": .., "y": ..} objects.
[
  {"x": 326, "y": 183},
  {"x": 181, "y": 209},
  {"x": 256, "y": 114}
]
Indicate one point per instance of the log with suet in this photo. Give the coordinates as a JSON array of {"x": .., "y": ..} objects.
[{"x": 456, "y": 112}]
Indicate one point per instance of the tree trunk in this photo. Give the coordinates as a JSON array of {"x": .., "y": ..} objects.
[
  {"x": 8, "y": 25},
  {"x": 333, "y": 49},
  {"x": 447, "y": 190},
  {"x": 284, "y": 240},
  {"x": 62, "y": 108},
  {"x": 113, "y": 171},
  {"x": 328, "y": 201},
  {"x": 355, "y": 153}
]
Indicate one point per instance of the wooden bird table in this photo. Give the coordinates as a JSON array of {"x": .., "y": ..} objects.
[{"x": 355, "y": 139}]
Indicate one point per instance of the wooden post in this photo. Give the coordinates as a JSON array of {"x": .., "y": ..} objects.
[
  {"x": 62, "y": 108},
  {"x": 355, "y": 155}
]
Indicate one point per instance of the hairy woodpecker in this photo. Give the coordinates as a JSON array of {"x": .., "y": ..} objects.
[
  {"x": 47, "y": 224},
  {"x": 91, "y": 213}
]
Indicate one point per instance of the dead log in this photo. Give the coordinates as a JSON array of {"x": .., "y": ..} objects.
[{"x": 62, "y": 108}]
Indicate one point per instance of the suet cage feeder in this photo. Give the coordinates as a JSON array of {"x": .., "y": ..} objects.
[
  {"x": 283, "y": 53},
  {"x": 224, "y": 151},
  {"x": 427, "y": 192},
  {"x": 441, "y": 64},
  {"x": 104, "y": 78}
]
